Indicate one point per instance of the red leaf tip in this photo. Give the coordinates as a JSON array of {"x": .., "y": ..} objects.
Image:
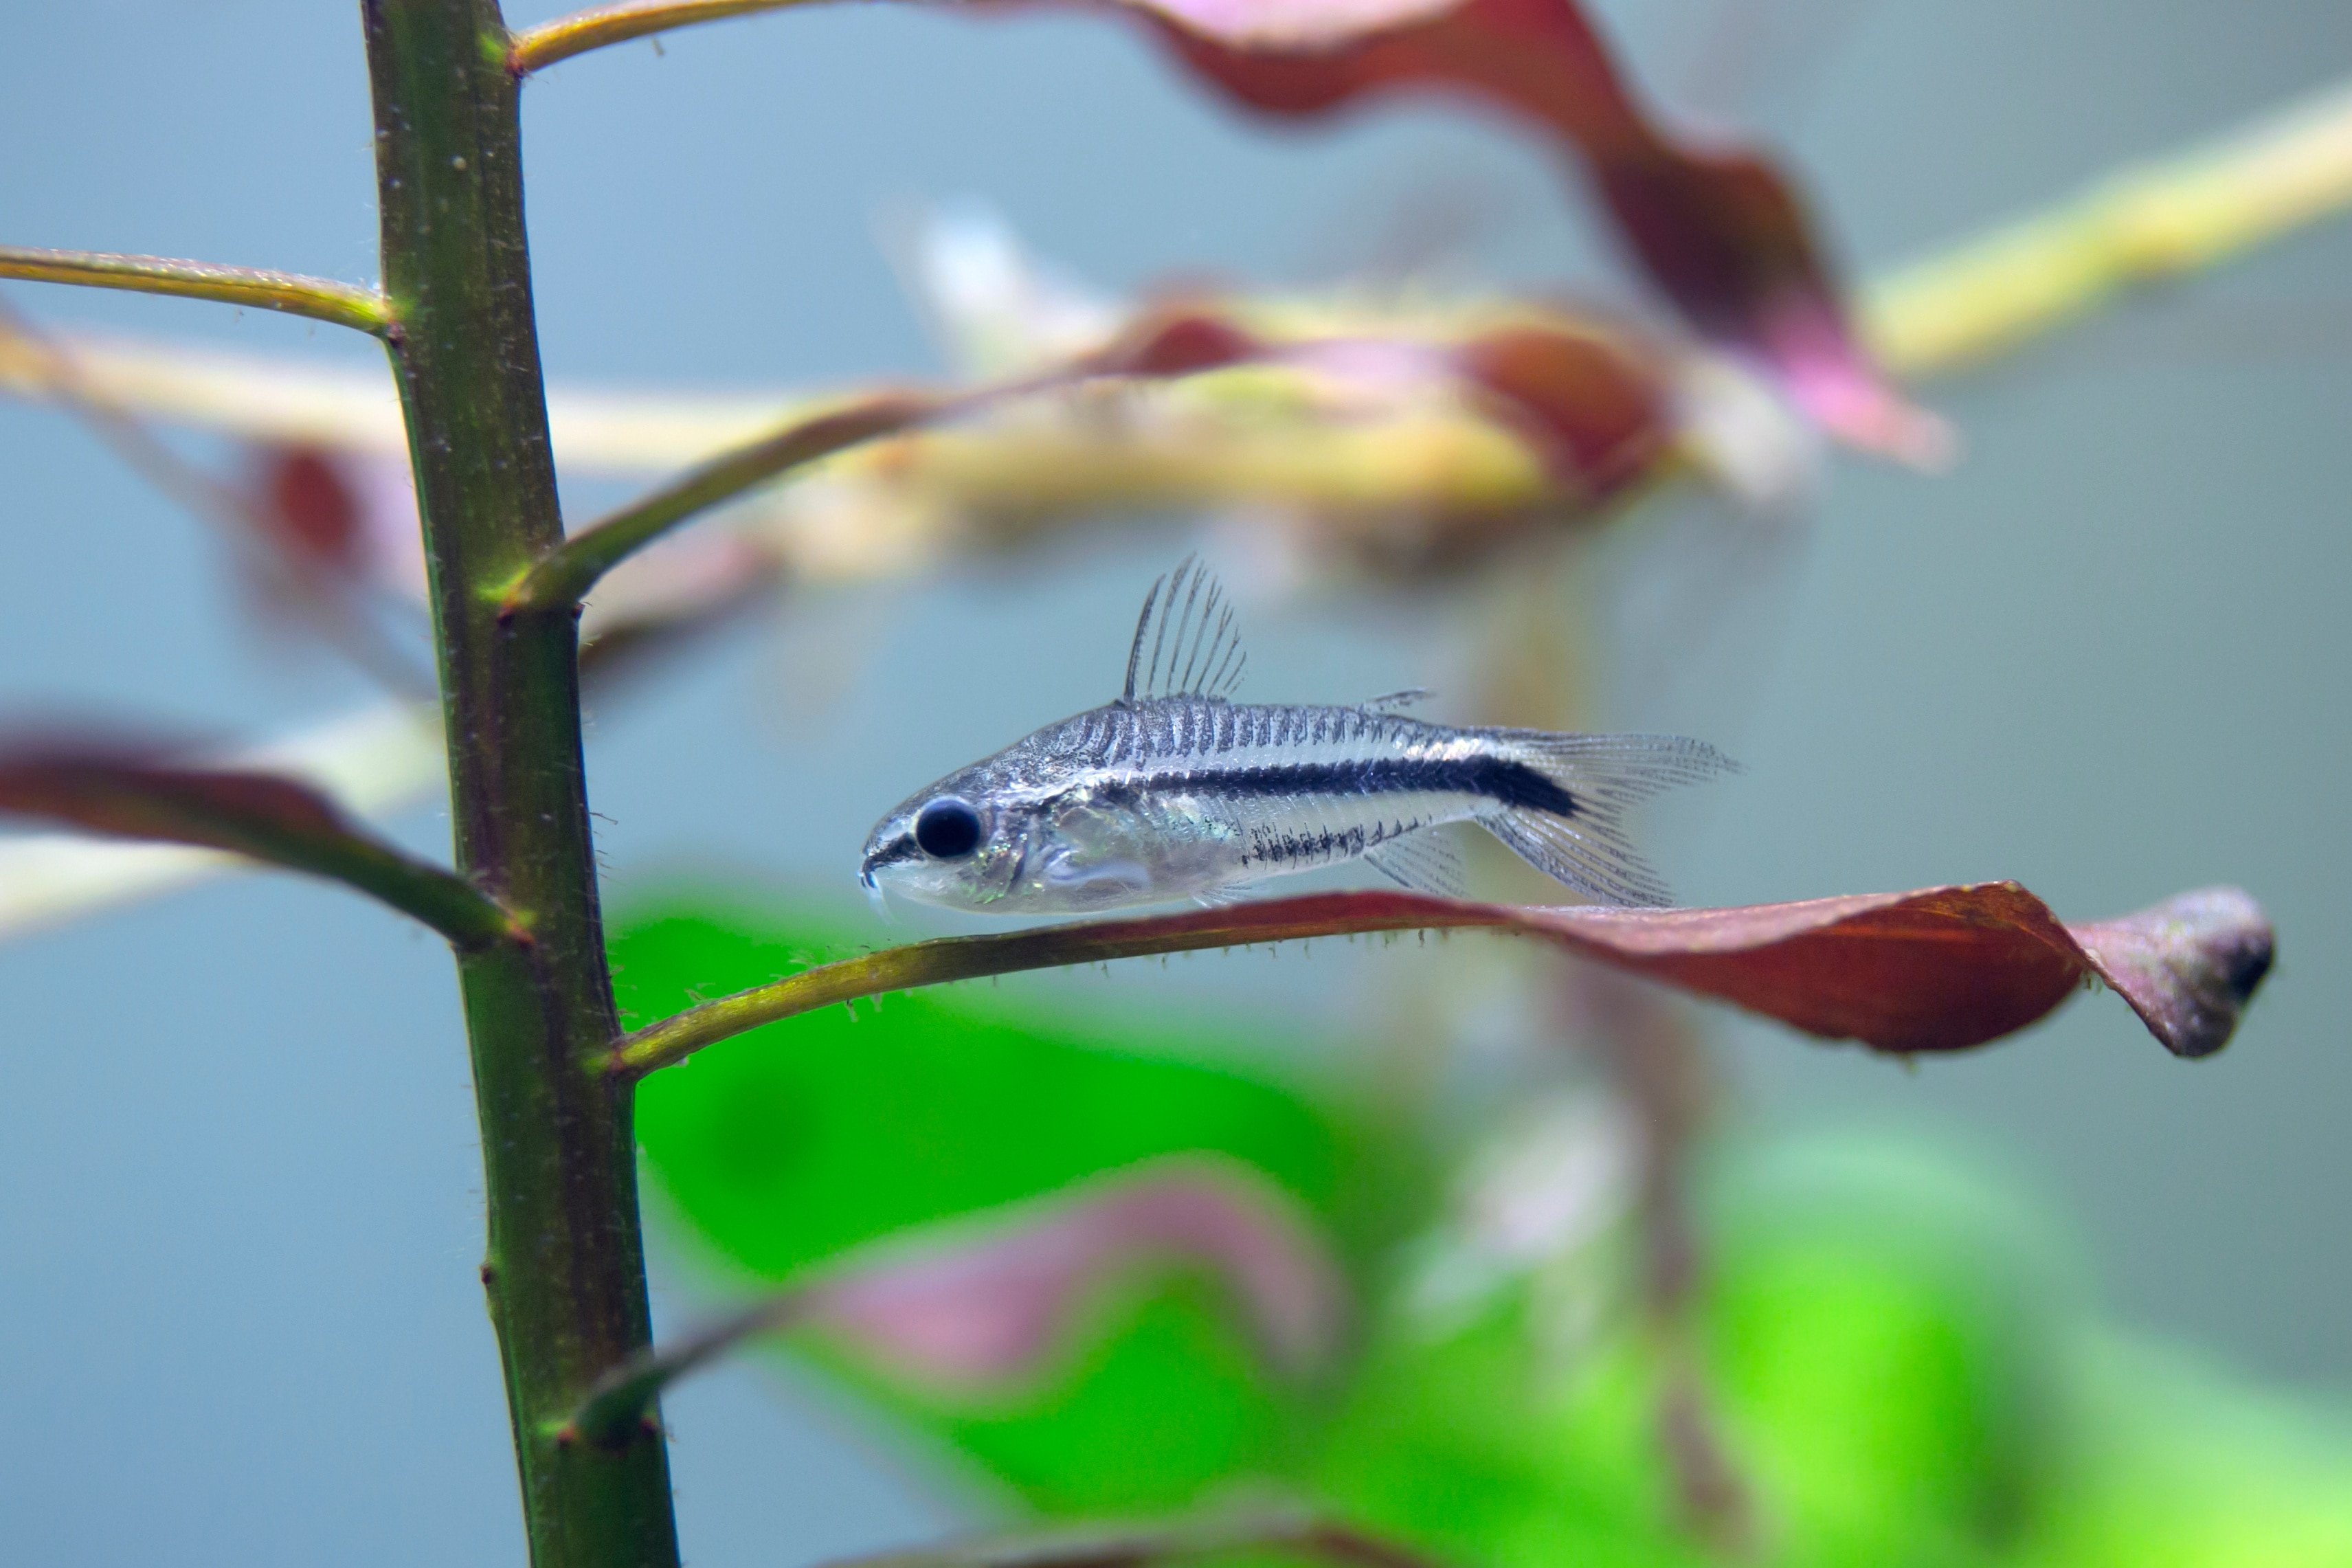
[{"x": 2187, "y": 966}]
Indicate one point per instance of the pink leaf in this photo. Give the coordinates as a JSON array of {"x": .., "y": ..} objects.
[{"x": 992, "y": 1303}]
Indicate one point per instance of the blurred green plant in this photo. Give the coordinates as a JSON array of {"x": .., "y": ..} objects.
[{"x": 1904, "y": 1366}]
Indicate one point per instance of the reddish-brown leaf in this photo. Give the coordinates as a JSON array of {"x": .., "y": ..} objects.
[
  {"x": 1720, "y": 231},
  {"x": 1598, "y": 412},
  {"x": 135, "y": 793},
  {"x": 117, "y": 790},
  {"x": 1937, "y": 970},
  {"x": 2187, "y": 966}
]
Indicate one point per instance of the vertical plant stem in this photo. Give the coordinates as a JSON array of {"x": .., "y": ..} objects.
[{"x": 565, "y": 1270}]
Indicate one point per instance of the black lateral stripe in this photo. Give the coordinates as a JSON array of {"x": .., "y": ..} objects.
[{"x": 1499, "y": 779}]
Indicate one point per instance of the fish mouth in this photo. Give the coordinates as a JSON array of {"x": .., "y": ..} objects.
[{"x": 899, "y": 848}]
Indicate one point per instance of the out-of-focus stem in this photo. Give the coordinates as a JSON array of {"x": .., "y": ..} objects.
[
  {"x": 534, "y": 48},
  {"x": 565, "y": 1263},
  {"x": 316, "y": 297},
  {"x": 2175, "y": 215}
]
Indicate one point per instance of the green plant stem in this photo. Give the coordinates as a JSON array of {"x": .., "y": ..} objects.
[
  {"x": 948, "y": 959},
  {"x": 364, "y": 310},
  {"x": 558, "y": 582},
  {"x": 534, "y": 48},
  {"x": 565, "y": 1269}
]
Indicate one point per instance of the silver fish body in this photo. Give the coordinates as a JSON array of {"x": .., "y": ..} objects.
[
  {"x": 1176, "y": 792},
  {"x": 1190, "y": 796}
]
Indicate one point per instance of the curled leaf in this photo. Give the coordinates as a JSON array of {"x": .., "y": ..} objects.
[
  {"x": 1937, "y": 969},
  {"x": 2187, "y": 966},
  {"x": 1719, "y": 231},
  {"x": 132, "y": 792}
]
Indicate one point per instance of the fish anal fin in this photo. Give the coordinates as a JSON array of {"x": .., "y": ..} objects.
[
  {"x": 1591, "y": 856},
  {"x": 1426, "y": 861}
]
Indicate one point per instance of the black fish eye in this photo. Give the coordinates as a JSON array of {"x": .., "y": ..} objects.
[{"x": 947, "y": 828}]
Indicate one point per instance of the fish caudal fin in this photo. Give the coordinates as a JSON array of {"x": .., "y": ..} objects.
[{"x": 1585, "y": 845}]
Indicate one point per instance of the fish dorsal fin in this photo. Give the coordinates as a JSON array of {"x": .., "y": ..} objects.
[
  {"x": 1397, "y": 701},
  {"x": 1185, "y": 643}
]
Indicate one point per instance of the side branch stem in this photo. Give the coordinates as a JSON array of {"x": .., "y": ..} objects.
[
  {"x": 618, "y": 1405},
  {"x": 558, "y": 582},
  {"x": 320, "y": 298},
  {"x": 949, "y": 959},
  {"x": 534, "y": 48}
]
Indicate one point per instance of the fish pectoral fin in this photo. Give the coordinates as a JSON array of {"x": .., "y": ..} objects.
[
  {"x": 1065, "y": 870},
  {"x": 1225, "y": 896},
  {"x": 1185, "y": 643},
  {"x": 1426, "y": 861}
]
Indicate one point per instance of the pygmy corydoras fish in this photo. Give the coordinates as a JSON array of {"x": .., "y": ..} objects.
[{"x": 1177, "y": 791}]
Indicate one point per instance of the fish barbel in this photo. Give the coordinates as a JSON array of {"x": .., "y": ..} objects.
[{"x": 1174, "y": 791}]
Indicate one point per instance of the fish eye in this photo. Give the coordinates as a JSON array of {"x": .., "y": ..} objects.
[{"x": 947, "y": 828}]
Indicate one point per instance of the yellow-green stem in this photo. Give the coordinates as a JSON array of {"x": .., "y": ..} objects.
[
  {"x": 599, "y": 27},
  {"x": 321, "y": 299}
]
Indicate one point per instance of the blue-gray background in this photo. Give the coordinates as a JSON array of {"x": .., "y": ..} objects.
[{"x": 238, "y": 1188}]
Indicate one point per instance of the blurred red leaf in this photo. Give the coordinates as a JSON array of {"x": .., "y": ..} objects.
[
  {"x": 130, "y": 792},
  {"x": 1595, "y": 406},
  {"x": 1720, "y": 230},
  {"x": 309, "y": 509},
  {"x": 1937, "y": 970},
  {"x": 1174, "y": 340},
  {"x": 1599, "y": 414},
  {"x": 989, "y": 1303},
  {"x": 981, "y": 1302}
]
